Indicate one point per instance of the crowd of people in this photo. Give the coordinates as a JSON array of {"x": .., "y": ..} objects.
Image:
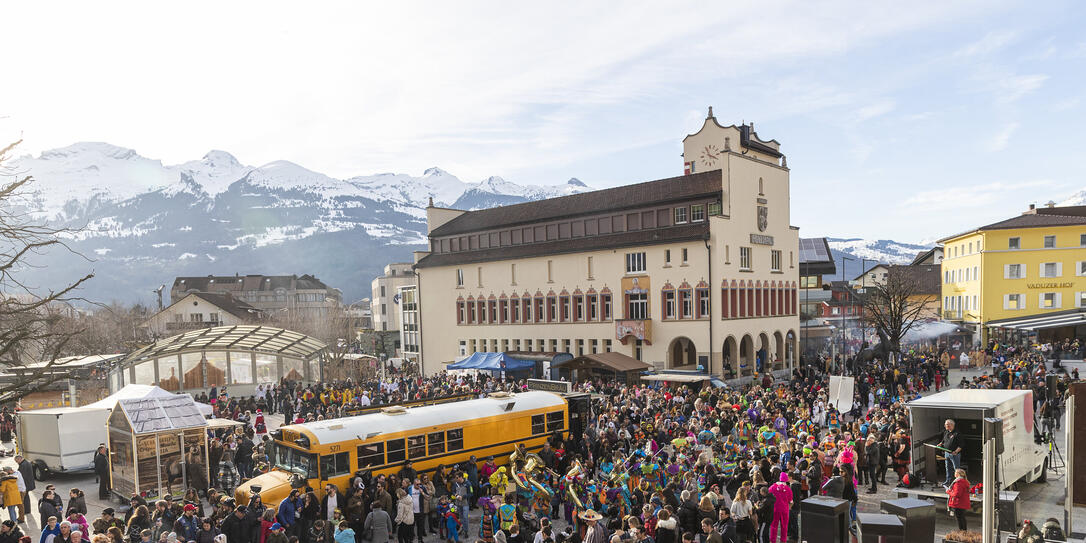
[{"x": 670, "y": 464}]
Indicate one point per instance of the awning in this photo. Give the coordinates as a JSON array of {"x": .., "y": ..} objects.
[
  {"x": 491, "y": 361},
  {"x": 1039, "y": 322},
  {"x": 612, "y": 361},
  {"x": 677, "y": 377}
]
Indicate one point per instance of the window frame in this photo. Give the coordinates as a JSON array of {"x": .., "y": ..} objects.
[
  {"x": 341, "y": 462},
  {"x": 697, "y": 212},
  {"x": 380, "y": 445},
  {"x": 680, "y": 215},
  {"x": 1049, "y": 242},
  {"x": 431, "y": 442},
  {"x": 636, "y": 262},
  {"x": 454, "y": 440},
  {"x": 556, "y": 421},
  {"x": 390, "y": 450},
  {"x": 1014, "y": 243},
  {"x": 745, "y": 258}
]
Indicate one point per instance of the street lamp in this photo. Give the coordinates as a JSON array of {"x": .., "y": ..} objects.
[
  {"x": 863, "y": 282},
  {"x": 848, "y": 292}
]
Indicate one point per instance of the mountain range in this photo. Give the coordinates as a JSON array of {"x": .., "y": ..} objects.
[{"x": 140, "y": 222}]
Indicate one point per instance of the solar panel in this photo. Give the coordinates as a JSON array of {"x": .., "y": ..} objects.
[{"x": 813, "y": 250}]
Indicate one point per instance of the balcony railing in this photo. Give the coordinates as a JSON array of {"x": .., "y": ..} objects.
[{"x": 952, "y": 315}]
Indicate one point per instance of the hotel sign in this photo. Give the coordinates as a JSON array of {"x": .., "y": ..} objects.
[
  {"x": 1050, "y": 285},
  {"x": 761, "y": 239}
]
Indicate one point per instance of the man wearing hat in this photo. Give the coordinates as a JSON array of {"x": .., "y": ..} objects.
[
  {"x": 103, "y": 523},
  {"x": 9, "y": 532},
  {"x": 277, "y": 534},
  {"x": 595, "y": 533},
  {"x": 187, "y": 524}
]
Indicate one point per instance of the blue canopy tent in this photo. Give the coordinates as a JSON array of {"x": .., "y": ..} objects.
[{"x": 492, "y": 362}]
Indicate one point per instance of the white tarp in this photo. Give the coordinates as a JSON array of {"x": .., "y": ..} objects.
[{"x": 841, "y": 391}]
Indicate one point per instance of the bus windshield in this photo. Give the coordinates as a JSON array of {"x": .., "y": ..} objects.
[{"x": 292, "y": 460}]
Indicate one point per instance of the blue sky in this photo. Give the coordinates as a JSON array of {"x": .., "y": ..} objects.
[{"x": 906, "y": 121}]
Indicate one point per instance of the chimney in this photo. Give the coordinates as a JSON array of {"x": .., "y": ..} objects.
[{"x": 1032, "y": 206}]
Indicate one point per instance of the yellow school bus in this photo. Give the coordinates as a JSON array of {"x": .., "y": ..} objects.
[{"x": 331, "y": 451}]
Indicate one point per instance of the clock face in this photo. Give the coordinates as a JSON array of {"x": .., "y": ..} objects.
[{"x": 710, "y": 154}]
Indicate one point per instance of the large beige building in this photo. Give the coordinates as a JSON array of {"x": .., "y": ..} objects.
[{"x": 694, "y": 270}]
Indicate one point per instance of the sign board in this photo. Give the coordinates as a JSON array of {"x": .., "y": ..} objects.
[
  {"x": 561, "y": 387},
  {"x": 761, "y": 239},
  {"x": 840, "y": 393}
]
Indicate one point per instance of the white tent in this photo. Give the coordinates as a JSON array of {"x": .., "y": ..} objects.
[{"x": 142, "y": 392}]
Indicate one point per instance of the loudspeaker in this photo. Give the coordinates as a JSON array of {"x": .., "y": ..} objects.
[
  {"x": 993, "y": 429},
  {"x": 1078, "y": 433},
  {"x": 1050, "y": 383}
]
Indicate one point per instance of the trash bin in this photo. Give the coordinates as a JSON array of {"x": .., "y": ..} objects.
[
  {"x": 823, "y": 519},
  {"x": 880, "y": 528},
  {"x": 918, "y": 516}
]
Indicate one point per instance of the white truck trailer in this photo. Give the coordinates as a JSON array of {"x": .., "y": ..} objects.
[
  {"x": 60, "y": 439},
  {"x": 1022, "y": 459}
]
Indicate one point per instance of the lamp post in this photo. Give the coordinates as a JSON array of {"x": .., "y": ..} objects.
[
  {"x": 848, "y": 298},
  {"x": 863, "y": 285}
]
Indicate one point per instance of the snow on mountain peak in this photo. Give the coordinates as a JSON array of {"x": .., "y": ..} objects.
[
  {"x": 1076, "y": 199},
  {"x": 216, "y": 158},
  {"x": 88, "y": 149},
  {"x": 576, "y": 182},
  {"x": 434, "y": 171}
]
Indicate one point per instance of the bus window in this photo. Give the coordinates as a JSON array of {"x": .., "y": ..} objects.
[
  {"x": 292, "y": 460},
  {"x": 371, "y": 454},
  {"x": 416, "y": 447},
  {"x": 334, "y": 465},
  {"x": 395, "y": 451},
  {"x": 436, "y": 443},
  {"x": 537, "y": 425},
  {"x": 554, "y": 421},
  {"x": 455, "y": 439}
]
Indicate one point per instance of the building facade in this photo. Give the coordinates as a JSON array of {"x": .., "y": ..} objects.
[
  {"x": 1030, "y": 265},
  {"x": 410, "y": 334},
  {"x": 201, "y": 310},
  {"x": 304, "y": 296},
  {"x": 696, "y": 270},
  {"x": 385, "y": 297}
]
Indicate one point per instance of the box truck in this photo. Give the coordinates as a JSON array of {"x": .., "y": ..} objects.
[
  {"x": 1023, "y": 459},
  {"x": 60, "y": 439}
]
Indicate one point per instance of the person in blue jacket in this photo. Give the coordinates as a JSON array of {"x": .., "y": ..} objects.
[{"x": 287, "y": 514}]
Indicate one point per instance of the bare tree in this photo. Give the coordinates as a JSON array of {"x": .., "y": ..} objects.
[
  {"x": 896, "y": 304},
  {"x": 33, "y": 325}
]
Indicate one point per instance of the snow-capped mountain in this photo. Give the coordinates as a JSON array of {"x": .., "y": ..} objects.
[
  {"x": 144, "y": 222},
  {"x": 1076, "y": 199},
  {"x": 870, "y": 252}
]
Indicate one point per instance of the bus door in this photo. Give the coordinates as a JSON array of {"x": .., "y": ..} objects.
[{"x": 580, "y": 412}]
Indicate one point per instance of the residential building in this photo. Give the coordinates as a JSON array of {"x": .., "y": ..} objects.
[
  {"x": 873, "y": 276},
  {"x": 201, "y": 310},
  {"x": 385, "y": 297},
  {"x": 699, "y": 270},
  {"x": 360, "y": 315},
  {"x": 304, "y": 296},
  {"x": 1025, "y": 273},
  {"x": 925, "y": 282},
  {"x": 929, "y": 257},
  {"x": 815, "y": 261},
  {"x": 410, "y": 334}
]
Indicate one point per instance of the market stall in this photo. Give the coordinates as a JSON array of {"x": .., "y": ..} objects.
[{"x": 158, "y": 446}]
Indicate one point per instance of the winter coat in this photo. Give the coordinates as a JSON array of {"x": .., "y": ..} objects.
[
  {"x": 666, "y": 531},
  {"x": 381, "y": 525},
  {"x": 959, "y": 494},
  {"x": 344, "y": 536},
  {"x": 688, "y": 517},
  {"x": 405, "y": 511},
  {"x": 12, "y": 535},
  {"x": 46, "y": 508},
  {"x": 9, "y": 489}
]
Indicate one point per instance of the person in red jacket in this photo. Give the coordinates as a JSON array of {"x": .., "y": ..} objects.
[{"x": 958, "y": 500}]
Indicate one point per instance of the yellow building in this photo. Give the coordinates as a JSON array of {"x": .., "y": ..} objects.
[
  {"x": 1026, "y": 273},
  {"x": 695, "y": 270}
]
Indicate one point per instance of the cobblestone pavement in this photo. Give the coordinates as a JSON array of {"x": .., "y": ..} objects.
[{"x": 1038, "y": 501}]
